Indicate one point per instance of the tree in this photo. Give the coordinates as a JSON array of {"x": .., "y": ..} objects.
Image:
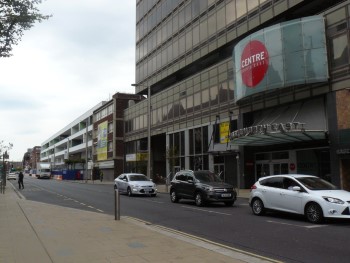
[
  {"x": 5, "y": 147},
  {"x": 16, "y": 16}
]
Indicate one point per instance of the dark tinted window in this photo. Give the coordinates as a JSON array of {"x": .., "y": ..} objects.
[
  {"x": 276, "y": 182},
  {"x": 207, "y": 176},
  {"x": 288, "y": 183},
  {"x": 316, "y": 183},
  {"x": 181, "y": 177}
]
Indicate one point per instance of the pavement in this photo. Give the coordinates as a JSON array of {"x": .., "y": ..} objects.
[{"x": 38, "y": 232}]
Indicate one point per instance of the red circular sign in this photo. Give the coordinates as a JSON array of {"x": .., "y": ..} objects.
[
  {"x": 254, "y": 63},
  {"x": 292, "y": 166}
]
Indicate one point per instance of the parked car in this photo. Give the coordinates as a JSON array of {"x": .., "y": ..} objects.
[
  {"x": 202, "y": 186},
  {"x": 11, "y": 176},
  {"x": 135, "y": 184},
  {"x": 307, "y": 195}
]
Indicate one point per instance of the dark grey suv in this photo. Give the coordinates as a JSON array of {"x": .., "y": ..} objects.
[{"x": 201, "y": 186}]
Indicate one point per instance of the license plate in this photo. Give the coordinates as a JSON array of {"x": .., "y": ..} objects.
[{"x": 225, "y": 195}]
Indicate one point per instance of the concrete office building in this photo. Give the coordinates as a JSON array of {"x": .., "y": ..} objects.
[
  {"x": 243, "y": 87},
  {"x": 73, "y": 142}
]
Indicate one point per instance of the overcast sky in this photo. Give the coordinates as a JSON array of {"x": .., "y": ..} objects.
[{"x": 63, "y": 67}]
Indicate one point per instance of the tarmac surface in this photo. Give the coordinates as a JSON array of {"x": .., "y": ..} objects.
[{"x": 37, "y": 232}]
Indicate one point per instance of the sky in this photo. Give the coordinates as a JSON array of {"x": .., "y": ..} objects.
[{"x": 63, "y": 67}]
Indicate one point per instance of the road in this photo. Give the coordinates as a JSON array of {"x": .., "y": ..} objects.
[{"x": 282, "y": 237}]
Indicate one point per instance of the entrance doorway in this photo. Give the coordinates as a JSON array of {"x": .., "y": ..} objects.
[{"x": 267, "y": 168}]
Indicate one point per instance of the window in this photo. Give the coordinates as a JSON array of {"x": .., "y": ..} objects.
[
  {"x": 110, "y": 127},
  {"x": 110, "y": 109},
  {"x": 198, "y": 140},
  {"x": 230, "y": 12},
  {"x": 223, "y": 92},
  {"x": 276, "y": 182},
  {"x": 205, "y": 98},
  {"x": 197, "y": 101},
  {"x": 110, "y": 146},
  {"x": 340, "y": 54},
  {"x": 213, "y": 95}
]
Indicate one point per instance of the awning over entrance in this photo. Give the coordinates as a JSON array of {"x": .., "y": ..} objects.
[{"x": 299, "y": 122}]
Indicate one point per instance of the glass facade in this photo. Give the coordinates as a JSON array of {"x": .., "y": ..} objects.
[
  {"x": 172, "y": 34},
  {"x": 184, "y": 57}
]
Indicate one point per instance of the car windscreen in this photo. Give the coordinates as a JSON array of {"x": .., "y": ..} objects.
[
  {"x": 316, "y": 183},
  {"x": 207, "y": 177},
  {"x": 137, "y": 177}
]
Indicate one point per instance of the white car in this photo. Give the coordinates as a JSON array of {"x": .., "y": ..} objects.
[
  {"x": 11, "y": 176},
  {"x": 135, "y": 184},
  {"x": 307, "y": 195}
]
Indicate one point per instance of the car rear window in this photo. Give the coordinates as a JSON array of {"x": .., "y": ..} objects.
[{"x": 276, "y": 182}]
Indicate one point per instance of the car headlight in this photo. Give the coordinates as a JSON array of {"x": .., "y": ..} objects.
[
  {"x": 208, "y": 188},
  {"x": 333, "y": 200},
  {"x": 135, "y": 186}
]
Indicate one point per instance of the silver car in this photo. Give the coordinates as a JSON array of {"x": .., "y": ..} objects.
[
  {"x": 300, "y": 194},
  {"x": 12, "y": 176},
  {"x": 135, "y": 184}
]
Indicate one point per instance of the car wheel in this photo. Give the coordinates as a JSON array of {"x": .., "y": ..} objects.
[
  {"x": 313, "y": 213},
  {"x": 258, "y": 207},
  {"x": 229, "y": 203},
  {"x": 199, "y": 199},
  {"x": 115, "y": 187},
  {"x": 153, "y": 195},
  {"x": 129, "y": 192},
  {"x": 173, "y": 196}
]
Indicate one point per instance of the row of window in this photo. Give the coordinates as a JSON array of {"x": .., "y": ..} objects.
[
  {"x": 103, "y": 113},
  {"x": 210, "y": 89},
  {"x": 195, "y": 34}
]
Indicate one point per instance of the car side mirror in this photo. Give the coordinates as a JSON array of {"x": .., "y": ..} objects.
[
  {"x": 296, "y": 188},
  {"x": 190, "y": 181},
  {"x": 124, "y": 180}
]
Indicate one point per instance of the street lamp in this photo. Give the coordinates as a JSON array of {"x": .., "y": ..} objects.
[
  {"x": 148, "y": 127},
  {"x": 238, "y": 174},
  {"x": 86, "y": 150}
]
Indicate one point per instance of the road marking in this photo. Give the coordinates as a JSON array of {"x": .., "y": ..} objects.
[
  {"x": 208, "y": 211},
  {"x": 89, "y": 206},
  {"x": 281, "y": 223},
  {"x": 100, "y": 210}
]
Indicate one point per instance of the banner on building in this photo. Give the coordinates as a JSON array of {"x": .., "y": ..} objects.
[
  {"x": 287, "y": 54},
  {"x": 224, "y": 132},
  {"x": 102, "y": 141}
]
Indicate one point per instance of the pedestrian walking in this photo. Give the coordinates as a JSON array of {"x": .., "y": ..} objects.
[
  {"x": 101, "y": 176},
  {"x": 20, "y": 180}
]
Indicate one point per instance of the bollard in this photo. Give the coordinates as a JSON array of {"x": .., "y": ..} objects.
[
  {"x": 2, "y": 187},
  {"x": 117, "y": 204}
]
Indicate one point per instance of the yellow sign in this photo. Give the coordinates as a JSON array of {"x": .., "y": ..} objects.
[
  {"x": 102, "y": 141},
  {"x": 224, "y": 132}
]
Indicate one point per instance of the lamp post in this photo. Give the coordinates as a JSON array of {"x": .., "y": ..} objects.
[
  {"x": 148, "y": 127},
  {"x": 238, "y": 174},
  {"x": 86, "y": 150}
]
